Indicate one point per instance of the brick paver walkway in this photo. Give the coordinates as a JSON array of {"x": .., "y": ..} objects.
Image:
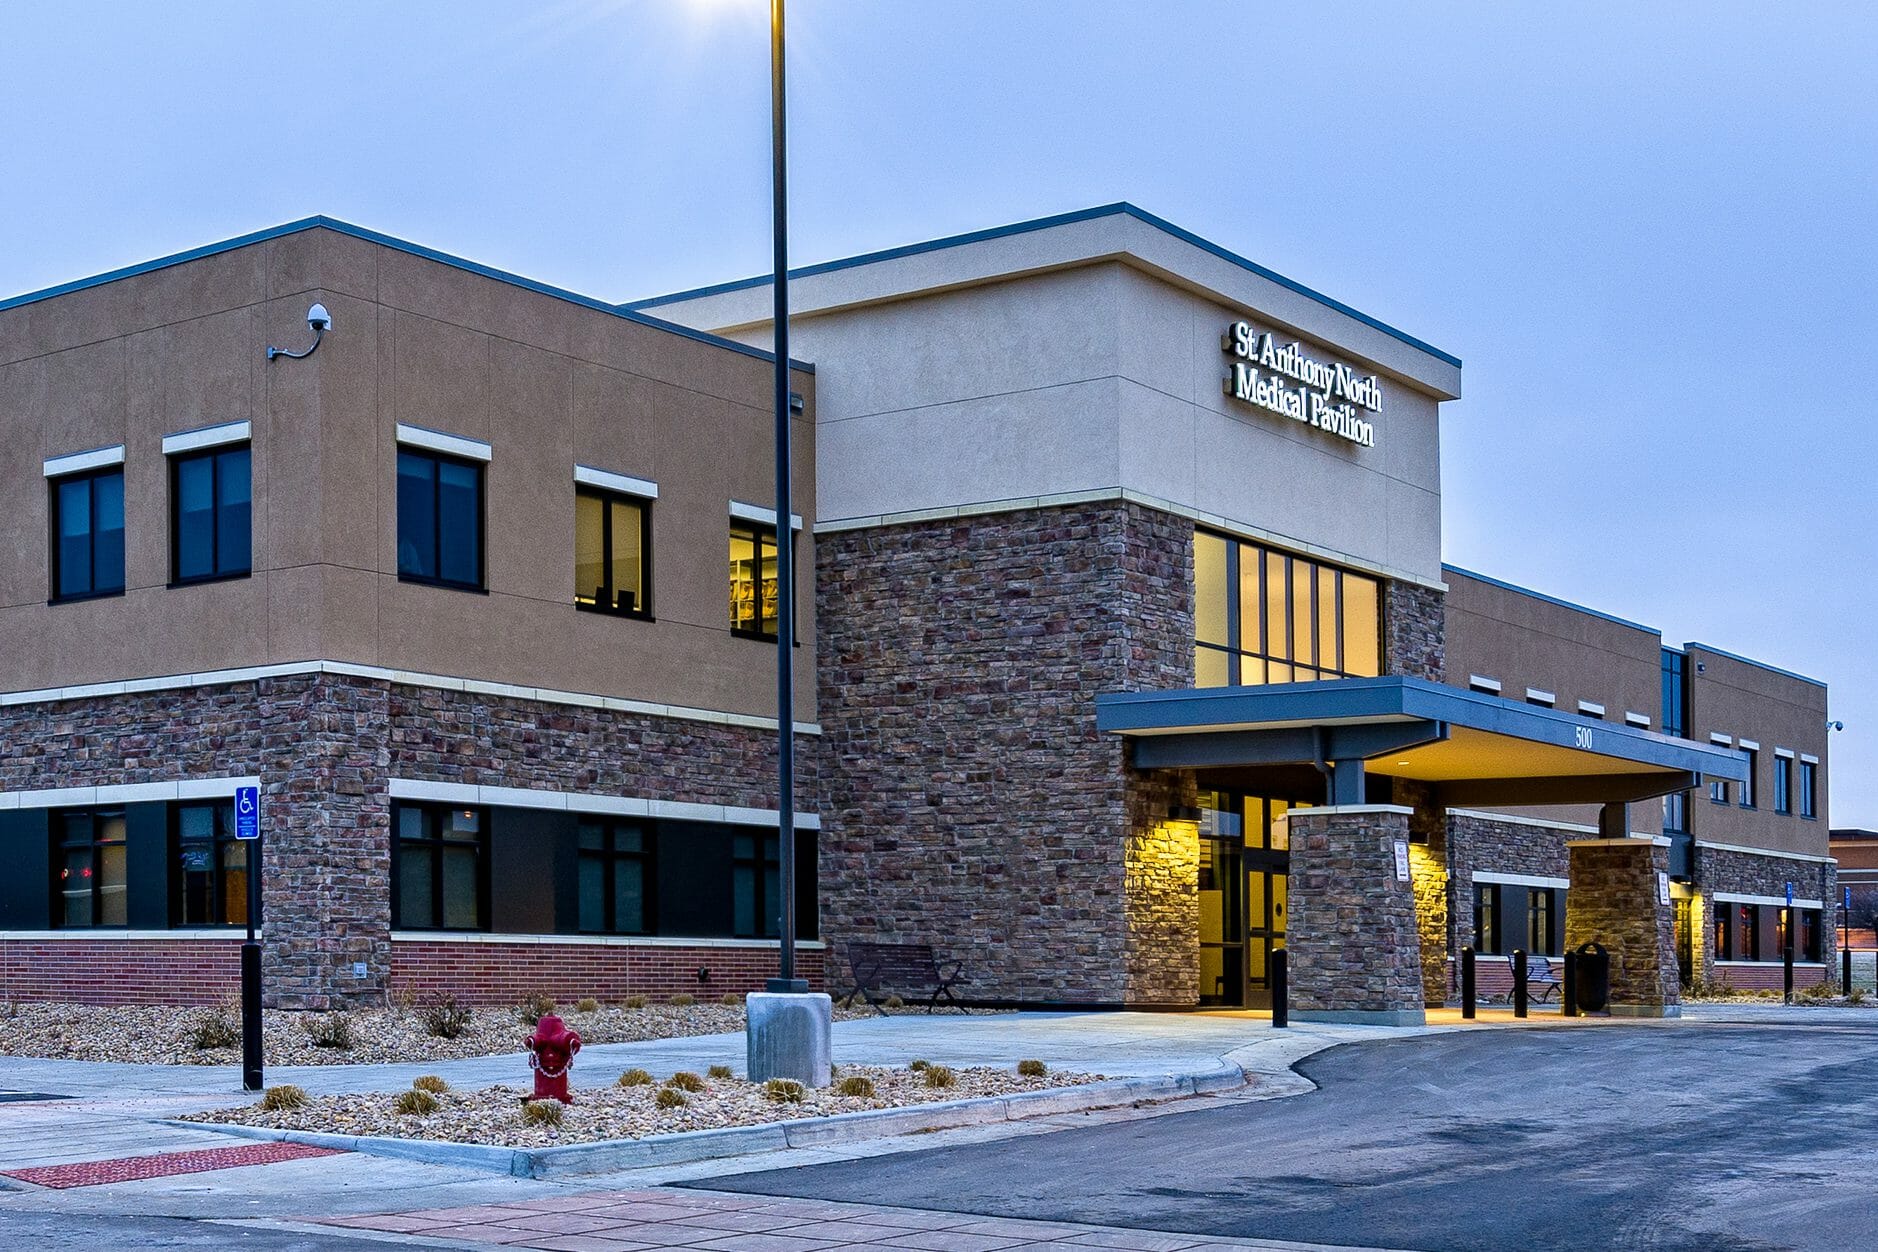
[
  {"x": 162, "y": 1164},
  {"x": 636, "y": 1221}
]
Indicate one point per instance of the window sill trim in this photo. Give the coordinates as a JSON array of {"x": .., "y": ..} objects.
[
  {"x": 1797, "y": 963},
  {"x": 475, "y": 589},
  {"x": 634, "y": 615},
  {"x": 227, "y": 934},
  {"x": 56, "y": 601},
  {"x": 176, "y": 584},
  {"x": 641, "y": 941}
]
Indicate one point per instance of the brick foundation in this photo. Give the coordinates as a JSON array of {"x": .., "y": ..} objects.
[
  {"x": 496, "y": 973},
  {"x": 121, "y": 971}
]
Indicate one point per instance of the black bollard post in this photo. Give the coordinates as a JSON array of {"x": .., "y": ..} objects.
[
  {"x": 1281, "y": 989},
  {"x": 1786, "y": 966},
  {"x": 1568, "y": 992},
  {"x": 1845, "y": 971},
  {"x": 1467, "y": 984},
  {"x": 1519, "y": 982}
]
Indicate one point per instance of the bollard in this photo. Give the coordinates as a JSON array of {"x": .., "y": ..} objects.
[
  {"x": 1845, "y": 971},
  {"x": 1281, "y": 989},
  {"x": 1786, "y": 963},
  {"x": 1568, "y": 993},
  {"x": 1467, "y": 984},
  {"x": 1519, "y": 982}
]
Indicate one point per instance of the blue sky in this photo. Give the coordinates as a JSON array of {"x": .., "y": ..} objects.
[{"x": 1646, "y": 228}]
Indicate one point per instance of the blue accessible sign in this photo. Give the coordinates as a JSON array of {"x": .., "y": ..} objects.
[{"x": 247, "y": 812}]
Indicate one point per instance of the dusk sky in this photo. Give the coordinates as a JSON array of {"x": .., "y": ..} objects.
[{"x": 1647, "y": 229}]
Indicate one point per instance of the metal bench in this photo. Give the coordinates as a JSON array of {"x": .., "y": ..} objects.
[
  {"x": 1541, "y": 981},
  {"x": 906, "y": 969}
]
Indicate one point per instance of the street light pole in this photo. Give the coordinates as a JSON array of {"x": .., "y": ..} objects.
[{"x": 786, "y": 980}]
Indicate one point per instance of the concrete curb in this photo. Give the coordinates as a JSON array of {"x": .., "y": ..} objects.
[{"x": 699, "y": 1145}]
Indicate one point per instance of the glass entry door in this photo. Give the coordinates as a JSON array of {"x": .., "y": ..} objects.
[
  {"x": 1222, "y": 922},
  {"x": 1245, "y": 858}
]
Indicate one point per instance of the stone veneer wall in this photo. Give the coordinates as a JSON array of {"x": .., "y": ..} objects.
[
  {"x": 1614, "y": 901},
  {"x": 1415, "y": 631},
  {"x": 1353, "y": 939},
  {"x": 1744, "y": 873},
  {"x": 325, "y": 748},
  {"x": 1483, "y": 843},
  {"x": 971, "y": 803}
]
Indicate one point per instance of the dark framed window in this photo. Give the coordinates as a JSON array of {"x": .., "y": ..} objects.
[
  {"x": 211, "y": 514},
  {"x": 440, "y": 520},
  {"x": 1675, "y": 691},
  {"x": 756, "y": 892},
  {"x": 612, "y": 552},
  {"x": 1676, "y": 813},
  {"x": 1748, "y": 799},
  {"x": 440, "y": 875},
  {"x": 1807, "y": 942},
  {"x": 1809, "y": 789},
  {"x": 616, "y": 879},
  {"x": 753, "y": 590},
  {"x": 210, "y": 884},
  {"x": 1783, "y": 784},
  {"x": 1265, "y": 616},
  {"x": 1487, "y": 929},
  {"x": 91, "y": 863},
  {"x": 88, "y": 534},
  {"x": 1745, "y": 939},
  {"x": 1542, "y": 921},
  {"x": 1718, "y": 790}
]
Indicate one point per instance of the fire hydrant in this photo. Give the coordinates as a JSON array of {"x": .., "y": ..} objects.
[{"x": 551, "y": 1054}]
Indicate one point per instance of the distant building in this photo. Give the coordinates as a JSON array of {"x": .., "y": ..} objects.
[
  {"x": 1856, "y": 851},
  {"x": 1131, "y": 656}
]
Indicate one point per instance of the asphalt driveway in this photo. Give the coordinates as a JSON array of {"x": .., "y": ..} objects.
[{"x": 1711, "y": 1136}]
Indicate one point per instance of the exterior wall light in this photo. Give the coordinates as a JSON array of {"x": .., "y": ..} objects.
[{"x": 319, "y": 321}]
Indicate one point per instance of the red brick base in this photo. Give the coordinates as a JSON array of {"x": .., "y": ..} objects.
[
  {"x": 502, "y": 973},
  {"x": 121, "y": 971},
  {"x": 1771, "y": 976}
]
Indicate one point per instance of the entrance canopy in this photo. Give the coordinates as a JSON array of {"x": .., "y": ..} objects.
[{"x": 1471, "y": 749}]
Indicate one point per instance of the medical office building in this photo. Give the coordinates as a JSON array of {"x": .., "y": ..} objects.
[{"x": 1132, "y": 653}]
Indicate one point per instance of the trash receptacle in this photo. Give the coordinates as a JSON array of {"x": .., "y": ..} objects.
[{"x": 1593, "y": 973}]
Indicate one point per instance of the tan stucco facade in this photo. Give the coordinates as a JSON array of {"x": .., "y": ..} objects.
[{"x": 548, "y": 382}]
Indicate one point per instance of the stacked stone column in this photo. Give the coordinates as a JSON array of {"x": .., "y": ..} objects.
[
  {"x": 1353, "y": 938},
  {"x": 1616, "y": 900}
]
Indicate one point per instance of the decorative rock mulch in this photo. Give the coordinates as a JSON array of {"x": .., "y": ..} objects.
[
  {"x": 153, "y": 1034},
  {"x": 494, "y": 1115}
]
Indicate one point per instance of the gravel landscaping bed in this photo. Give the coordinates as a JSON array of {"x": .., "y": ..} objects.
[
  {"x": 154, "y": 1034},
  {"x": 498, "y": 1116}
]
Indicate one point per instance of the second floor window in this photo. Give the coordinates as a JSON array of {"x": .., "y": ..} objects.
[
  {"x": 1263, "y": 616},
  {"x": 211, "y": 494},
  {"x": 1747, "y": 784},
  {"x": 93, "y": 868},
  {"x": 88, "y": 535},
  {"x": 1718, "y": 790},
  {"x": 610, "y": 548},
  {"x": 1783, "y": 784},
  {"x": 1809, "y": 789},
  {"x": 440, "y": 520},
  {"x": 753, "y": 591}
]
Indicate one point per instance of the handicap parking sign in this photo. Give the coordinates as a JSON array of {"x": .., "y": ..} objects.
[{"x": 247, "y": 812}]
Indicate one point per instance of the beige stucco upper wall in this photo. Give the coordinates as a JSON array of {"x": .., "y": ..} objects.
[
  {"x": 547, "y": 382},
  {"x": 1008, "y": 379},
  {"x": 1742, "y": 700}
]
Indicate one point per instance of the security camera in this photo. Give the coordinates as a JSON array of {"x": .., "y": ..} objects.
[{"x": 318, "y": 319}]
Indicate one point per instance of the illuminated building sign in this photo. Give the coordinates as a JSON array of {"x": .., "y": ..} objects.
[{"x": 1281, "y": 379}]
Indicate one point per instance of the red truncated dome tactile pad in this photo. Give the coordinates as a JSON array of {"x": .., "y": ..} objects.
[{"x": 163, "y": 1164}]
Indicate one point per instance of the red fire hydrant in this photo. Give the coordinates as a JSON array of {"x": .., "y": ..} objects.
[{"x": 551, "y": 1054}]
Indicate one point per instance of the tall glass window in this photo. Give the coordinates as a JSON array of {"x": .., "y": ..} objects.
[
  {"x": 1783, "y": 784},
  {"x": 210, "y": 886},
  {"x": 615, "y": 879},
  {"x": 1264, "y": 616},
  {"x": 1748, "y": 800},
  {"x": 92, "y": 866},
  {"x": 1541, "y": 914},
  {"x": 1486, "y": 917},
  {"x": 611, "y": 535},
  {"x": 1809, "y": 789},
  {"x": 440, "y": 873},
  {"x": 1675, "y": 692},
  {"x": 88, "y": 535},
  {"x": 440, "y": 520},
  {"x": 753, "y": 590},
  {"x": 211, "y": 523},
  {"x": 756, "y": 894}
]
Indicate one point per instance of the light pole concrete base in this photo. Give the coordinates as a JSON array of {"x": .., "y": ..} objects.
[{"x": 789, "y": 1036}]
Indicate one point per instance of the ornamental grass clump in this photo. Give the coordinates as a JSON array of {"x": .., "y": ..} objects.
[
  {"x": 416, "y": 1103},
  {"x": 940, "y": 1076},
  {"x": 587, "y": 1004},
  {"x": 543, "y": 1113},
  {"x": 783, "y": 1091},
  {"x": 683, "y": 1000},
  {"x": 284, "y": 1098},
  {"x": 917, "y": 1066},
  {"x": 893, "y": 1002},
  {"x": 730, "y": 999},
  {"x": 856, "y": 1086},
  {"x": 215, "y": 1028},
  {"x": 445, "y": 1017},
  {"x": 431, "y": 1083},
  {"x": 1032, "y": 1069},
  {"x": 719, "y": 1071},
  {"x": 633, "y": 1002},
  {"x": 635, "y": 1078},
  {"x": 685, "y": 1080},
  {"x": 670, "y": 1098},
  {"x": 534, "y": 1006},
  {"x": 330, "y": 1030}
]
